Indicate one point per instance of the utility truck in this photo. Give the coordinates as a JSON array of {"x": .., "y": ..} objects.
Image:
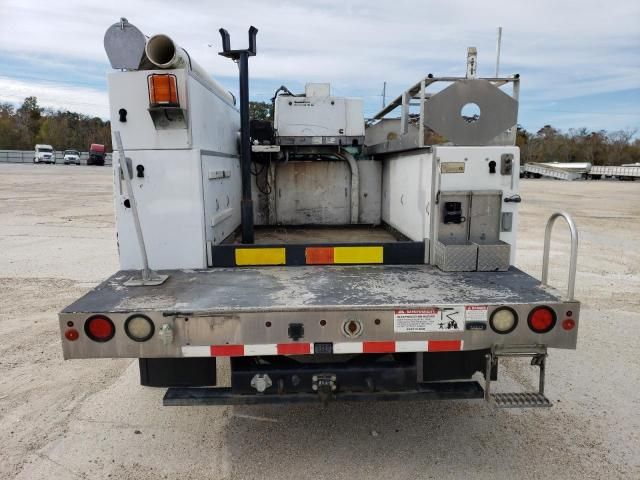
[{"x": 324, "y": 256}]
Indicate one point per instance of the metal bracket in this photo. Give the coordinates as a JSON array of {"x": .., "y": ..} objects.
[
  {"x": 573, "y": 261},
  {"x": 235, "y": 54},
  {"x": 242, "y": 58}
]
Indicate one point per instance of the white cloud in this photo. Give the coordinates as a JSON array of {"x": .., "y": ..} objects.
[
  {"x": 562, "y": 49},
  {"x": 56, "y": 96}
]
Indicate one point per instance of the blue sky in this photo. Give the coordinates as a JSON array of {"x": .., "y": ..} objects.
[{"x": 579, "y": 61}]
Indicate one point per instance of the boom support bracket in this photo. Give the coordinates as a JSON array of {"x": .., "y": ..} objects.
[{"x": 242, "y": 58}]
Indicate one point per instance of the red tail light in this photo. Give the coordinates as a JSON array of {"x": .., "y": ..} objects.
[
  {"x": 568, "y": 324},
  {"x": 71, "y": 334},
  {"x": 542, "y": 319},
  {"x": 99, "y": 328}
]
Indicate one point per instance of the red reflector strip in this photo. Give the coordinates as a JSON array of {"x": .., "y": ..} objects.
[
  {"x": 307, "y": 348},
  {"x": 294, "y": 348},
  {"x": 378, "y": 347},
  {"x": 445, "y": 345},
  {"x": 319, "y": 255},
  {"x": 227, "y": 350}
]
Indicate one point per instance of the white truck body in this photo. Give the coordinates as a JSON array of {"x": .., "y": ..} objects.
[
  {"x": 380, "y": 266},
  {"x": 190, "y": 193}
]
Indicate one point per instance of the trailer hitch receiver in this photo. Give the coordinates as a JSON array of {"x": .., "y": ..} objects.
[{"x": 325, "y": 385}]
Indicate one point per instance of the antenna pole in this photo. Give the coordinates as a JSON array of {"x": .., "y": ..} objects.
[{"x": 498, "y": 45}]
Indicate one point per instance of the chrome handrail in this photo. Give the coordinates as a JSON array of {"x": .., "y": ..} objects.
[{"x": 574, "y": 251}]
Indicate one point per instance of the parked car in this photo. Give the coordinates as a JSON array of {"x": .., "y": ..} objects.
[
  {"x": 71, "y": 157},
  {"x": 96, "y": 154},
  {"x": 44, "y": 154}
]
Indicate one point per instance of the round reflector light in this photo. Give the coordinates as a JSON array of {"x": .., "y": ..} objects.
[
  {"x": 139, "y": 328},
  {"x": 503, "y": 320},
  {"x": 568, "y": 324},
  {"x": 71, "y": 334},
  {"x": 99, "y": 328},
  {"x": 542, "y": 319}
]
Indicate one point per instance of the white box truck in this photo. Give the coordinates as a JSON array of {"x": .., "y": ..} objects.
[{"x": 44, "y": 154}]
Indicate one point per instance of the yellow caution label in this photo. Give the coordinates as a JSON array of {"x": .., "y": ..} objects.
[
  {"x": 358, "y": 254},
  {"x": 260, "y": 256}
]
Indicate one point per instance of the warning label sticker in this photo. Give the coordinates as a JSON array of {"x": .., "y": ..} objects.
[
  {"x": 416, "y": 320},
  {"x": 428, "y": 320},
  {"x": 475, "y": 313}
]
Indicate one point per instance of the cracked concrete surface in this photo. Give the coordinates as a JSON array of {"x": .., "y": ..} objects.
[{"x": 79, "y": 419}]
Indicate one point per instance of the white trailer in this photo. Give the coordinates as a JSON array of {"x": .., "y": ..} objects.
[
  {"x": 380, "y": 265},
  {"x": 621, "y": 172}
]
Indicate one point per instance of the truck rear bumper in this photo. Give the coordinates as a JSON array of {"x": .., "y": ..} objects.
[
  {"x": 464, "y": 390},
  {"x": 243, "y": 312}
]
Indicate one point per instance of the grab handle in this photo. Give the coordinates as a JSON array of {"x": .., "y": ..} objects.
[{"x": 574, "y": 251}]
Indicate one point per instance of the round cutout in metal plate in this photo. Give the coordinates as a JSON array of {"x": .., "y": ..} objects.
[{"x": 352, "y": 328}]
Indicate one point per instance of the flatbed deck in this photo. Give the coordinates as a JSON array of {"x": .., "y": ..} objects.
[{"x": 308, "y": 288}]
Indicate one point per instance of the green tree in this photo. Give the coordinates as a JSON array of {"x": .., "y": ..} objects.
[
  {"x": 259, "y": 111},
  {"x": 9, "y": 134}
]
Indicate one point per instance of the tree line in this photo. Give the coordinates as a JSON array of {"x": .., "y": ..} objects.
[
  {"x": 29, "y": 124},
  {"x": 22, "y": 128},
  {"x": 579, "y": 145}
]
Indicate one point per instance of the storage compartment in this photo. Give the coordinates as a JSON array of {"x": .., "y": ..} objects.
[
  {"x": 456, "y": 255},
  {"x": 493, "y": 256}
]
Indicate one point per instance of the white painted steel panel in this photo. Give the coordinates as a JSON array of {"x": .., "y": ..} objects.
[
  {"x": 476, "y": 177},
  {"x": 406, "y": 193},
  {"x": 222, "y": 196},
  {"x": 170, "y": 207},
  {"x": 318, "y": 116},
  {"x": 129, "y": 91},
  {"x": 172, "y": 195},
  {"x": 354, "y": 117}
]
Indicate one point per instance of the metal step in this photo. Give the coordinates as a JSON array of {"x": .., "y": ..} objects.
[{"x": 520, "y": 400}]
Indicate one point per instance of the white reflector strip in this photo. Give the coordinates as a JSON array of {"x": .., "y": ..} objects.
[
  {"x": 412, "y": 346},
  {"x": 347, "y": 347},
  {"x": 196, "y": 351},
  {"x": 267, "y": 349}
]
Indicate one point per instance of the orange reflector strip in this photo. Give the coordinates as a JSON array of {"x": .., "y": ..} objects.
[
  {"x": 163, "y": 89},
  {"x": 319, "y": 255}
]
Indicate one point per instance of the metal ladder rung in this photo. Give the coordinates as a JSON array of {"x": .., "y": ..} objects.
[
  {"x": 517, "y": 399},
  {"x": 520, "y": 400}
]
